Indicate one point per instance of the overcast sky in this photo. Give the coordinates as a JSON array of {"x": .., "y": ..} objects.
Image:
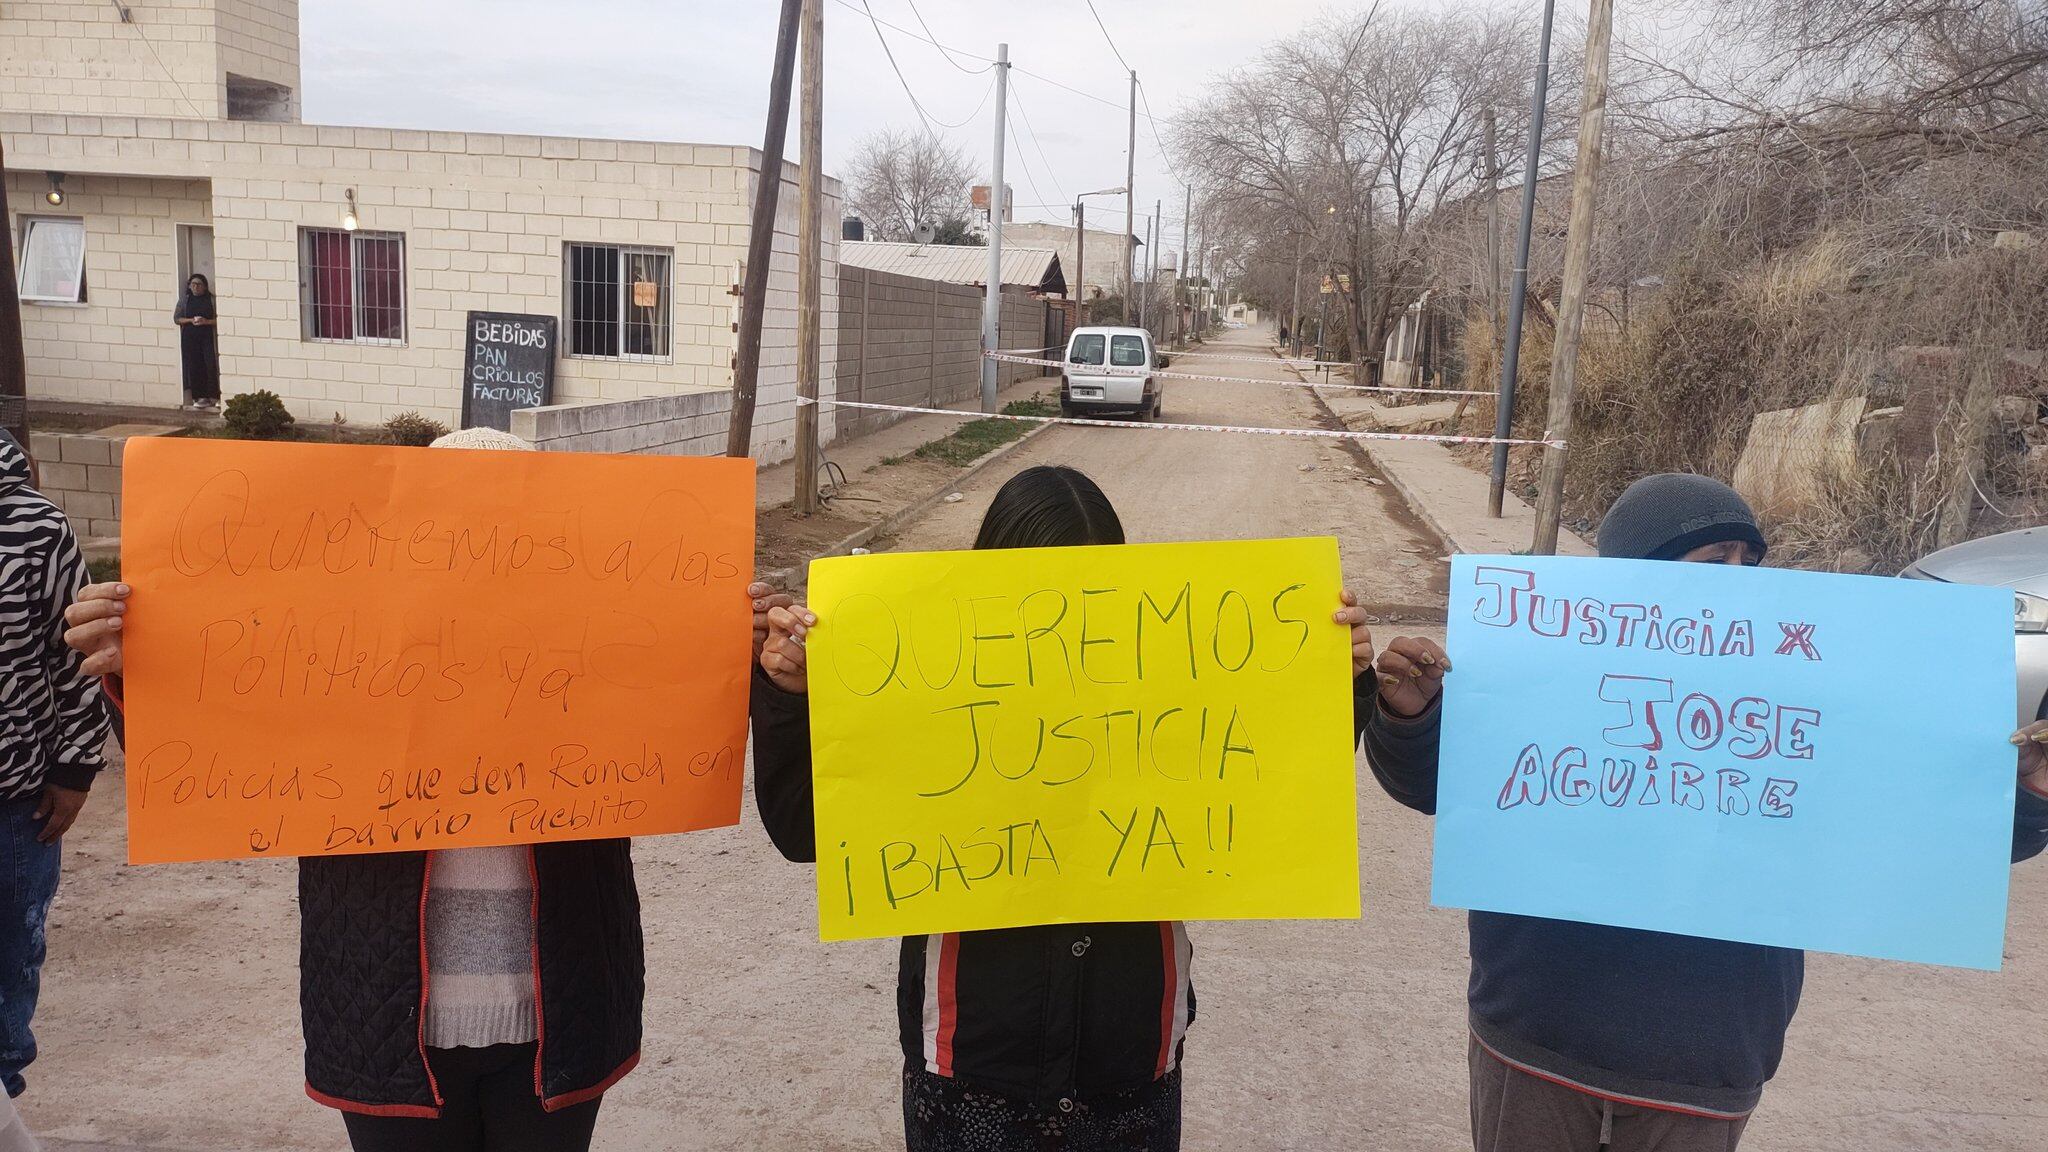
[{"x": 697, "y": 71}]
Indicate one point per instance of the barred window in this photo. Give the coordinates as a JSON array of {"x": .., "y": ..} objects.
[
  {"x": 352, "y": 286},
  {"x": 619, "y": 301}
]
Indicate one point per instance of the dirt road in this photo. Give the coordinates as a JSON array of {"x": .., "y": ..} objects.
[
  {"x": 170, "y": 1014},
  {"x": 1219, "y": 486}
]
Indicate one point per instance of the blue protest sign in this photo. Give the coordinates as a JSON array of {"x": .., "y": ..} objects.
[{"x": 1788, "y": 758}]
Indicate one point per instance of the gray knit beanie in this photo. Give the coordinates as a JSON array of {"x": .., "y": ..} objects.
[{"x": 1665, "y": 516}]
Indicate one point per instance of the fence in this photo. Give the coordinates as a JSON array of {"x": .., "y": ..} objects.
[{"x": 917, "y": 343}]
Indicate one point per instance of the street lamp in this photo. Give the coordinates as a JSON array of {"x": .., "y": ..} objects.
[{"x": 1081, "y": 240}]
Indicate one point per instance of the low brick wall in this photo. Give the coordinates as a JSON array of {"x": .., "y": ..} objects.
[
  {"x": 692, "y": 424},
  {"x": 81, "y": 474}
]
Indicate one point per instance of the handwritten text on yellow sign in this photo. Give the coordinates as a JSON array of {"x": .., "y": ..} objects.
[{"x": 1138, "y": 732}]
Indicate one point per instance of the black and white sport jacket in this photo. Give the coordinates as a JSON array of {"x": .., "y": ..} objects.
[{"x": 55, "y": 718}]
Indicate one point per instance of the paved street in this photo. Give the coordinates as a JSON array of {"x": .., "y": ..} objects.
[{"x": 170, "y": 1011}]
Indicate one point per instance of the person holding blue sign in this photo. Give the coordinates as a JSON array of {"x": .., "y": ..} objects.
[{"x": 1586, "y": 1036}]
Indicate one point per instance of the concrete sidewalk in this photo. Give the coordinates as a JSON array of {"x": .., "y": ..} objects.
[{"x": 1449, "y": 496}]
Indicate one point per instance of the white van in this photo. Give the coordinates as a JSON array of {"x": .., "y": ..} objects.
[{"x": 1110, "y": 370}]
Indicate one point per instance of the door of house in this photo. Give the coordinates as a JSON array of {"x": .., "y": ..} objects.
[{"x": 195, "y": 254}]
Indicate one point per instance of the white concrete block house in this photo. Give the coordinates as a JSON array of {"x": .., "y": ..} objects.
[{"x": 345, "y": 259}]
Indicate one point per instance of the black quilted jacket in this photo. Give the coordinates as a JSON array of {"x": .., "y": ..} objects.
[{"x": 361, "y": 957}]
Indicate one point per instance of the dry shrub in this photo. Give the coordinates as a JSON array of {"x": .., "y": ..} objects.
[{"x": 1735, "y": 333}]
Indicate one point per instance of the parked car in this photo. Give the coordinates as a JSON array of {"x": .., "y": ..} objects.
[
  {"x": 2017, "y": 561},
  {"x": 1109, "y": 370}
]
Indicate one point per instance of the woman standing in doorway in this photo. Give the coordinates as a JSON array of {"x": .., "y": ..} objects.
[{"x": 198, "y": 326}]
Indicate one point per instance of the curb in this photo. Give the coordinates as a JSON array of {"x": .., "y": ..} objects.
[
  {"x": 790, "y": 577},
  {"x": 1393, "y": 478}
]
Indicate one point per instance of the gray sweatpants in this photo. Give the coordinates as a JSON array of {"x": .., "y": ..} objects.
[{"x": 1513, "y": 1111}]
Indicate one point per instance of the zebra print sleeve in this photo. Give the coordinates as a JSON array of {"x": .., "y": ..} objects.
[{"x": 82, "y": 718}]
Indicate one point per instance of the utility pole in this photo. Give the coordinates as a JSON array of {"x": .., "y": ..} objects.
[
  {"x": 1578, "y": 268},
  {"x": 746, "y": 365},
  {"x": 1151, "y": 246},
  {"x": 1131, "y": 198},
  {"x": 1180, "y": 273},
  {"x": 992, "y": 305},
  {"x": 810, "y": 258},
  {"x": 1158, "y": 230},
  {"x": 1080, "y": 247},
  {"x": 13, "y": 362},
  {"x": 1518, "y": 287},
  {"x": 1494, "y": 236},
  {"x": 1294, "y": 316}
]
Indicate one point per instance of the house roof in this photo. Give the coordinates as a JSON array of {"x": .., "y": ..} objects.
[{"x": 1034, "y": 268}]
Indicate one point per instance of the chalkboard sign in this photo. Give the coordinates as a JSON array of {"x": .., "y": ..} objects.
[{"x": 510, "y": 364}]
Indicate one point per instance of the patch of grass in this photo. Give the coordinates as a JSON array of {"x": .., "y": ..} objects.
[
  {"x": 977, "y": 438},
  {"x": 104, "y": 570}
]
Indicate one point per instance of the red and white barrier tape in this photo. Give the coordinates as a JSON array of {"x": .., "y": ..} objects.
[
  {"x": 1309, "y": 433},
  {"x": 1297, "y": 361},
  {"x": 1006, "y": 358}
]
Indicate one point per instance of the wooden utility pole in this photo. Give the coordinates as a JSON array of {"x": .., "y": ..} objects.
[
  {"x": 1152, "y": 278},
  {"x": 13, "y": 362},
  {"x": 1180, "y": 271},
  {"x": 746, "y": 366},
  {"x": 1578, "y": 261},
  {"x": 810, "y": 262},
  {"x": 1080, "y": 250}
]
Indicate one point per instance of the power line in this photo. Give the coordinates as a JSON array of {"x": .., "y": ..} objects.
[
  {"x": 128, "y": 19},
  {"x": 1050, "y": 171},
  {"x": 943, "y": 50},
  {"x": 996, "y": 195},
  {"x": 1106, "y": 36},
  {"x": 1117, "y": 104},
  {"x": 865, "y": 11},
  {"x": 1146, "y": 99},
  {"x": 922, "y": 114}
]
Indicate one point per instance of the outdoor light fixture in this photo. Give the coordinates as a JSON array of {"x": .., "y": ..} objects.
[
  {"x": 348, "y": 218},
  {"x": 55, "y": 195}
]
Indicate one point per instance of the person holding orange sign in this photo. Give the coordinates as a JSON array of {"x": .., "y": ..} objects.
[
  {"x": 1063, "y": 1036},
  {"x": 467, "y": 999}
]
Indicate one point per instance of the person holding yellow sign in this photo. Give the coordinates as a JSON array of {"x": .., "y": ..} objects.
[{"x": 1061, "y": 1036}]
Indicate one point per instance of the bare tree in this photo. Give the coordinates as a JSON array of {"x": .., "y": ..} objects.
[
  {"x": 898, "y": 179},
  {"x": 1352, "y": 133}
]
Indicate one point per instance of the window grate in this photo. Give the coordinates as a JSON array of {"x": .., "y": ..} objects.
[
  {"x": 620, "y": 301},
  {"x": 352, "y": 286}
]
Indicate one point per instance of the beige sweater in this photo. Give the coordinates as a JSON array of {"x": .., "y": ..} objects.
[{"x": 480, "y": 948}]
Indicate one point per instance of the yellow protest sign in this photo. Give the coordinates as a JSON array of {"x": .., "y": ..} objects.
[{"x": 1137, "y": 732}]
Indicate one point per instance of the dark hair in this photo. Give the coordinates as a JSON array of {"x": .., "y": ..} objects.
[
  {"x": 1049, "y": 507},
  {"x": 204, "y": 283}
]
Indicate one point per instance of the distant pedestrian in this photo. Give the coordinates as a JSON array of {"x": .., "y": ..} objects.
[
  {"x": 198, "y": 329},
  {"x": 1588, "y": 1036},
  {"x": 55, "y": 736}
]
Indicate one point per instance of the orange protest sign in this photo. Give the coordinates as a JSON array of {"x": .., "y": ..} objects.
[{"x": 338, "y": 650}]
